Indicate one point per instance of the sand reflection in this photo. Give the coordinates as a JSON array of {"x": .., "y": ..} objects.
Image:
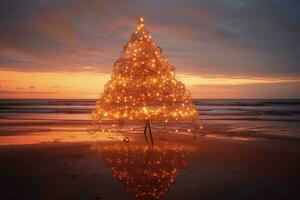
[{"x": 146, "y": 172}]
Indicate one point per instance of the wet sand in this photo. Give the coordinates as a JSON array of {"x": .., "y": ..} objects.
[{"x": 205, "y": 168}]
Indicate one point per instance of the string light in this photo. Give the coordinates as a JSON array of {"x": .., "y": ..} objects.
[{"x": 143, "y": 86}]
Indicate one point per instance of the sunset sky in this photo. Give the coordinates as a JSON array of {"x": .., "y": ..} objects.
[{"x": 220, "y": 49}]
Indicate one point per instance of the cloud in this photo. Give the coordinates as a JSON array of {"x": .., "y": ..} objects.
[
  {"x": 246, "y": 37},
  {"x": 88, "y": 85},
  {"x": 257, "y": 91},
  {"x": 14, "y": 93},
  {"x": 193, "y": 80}
]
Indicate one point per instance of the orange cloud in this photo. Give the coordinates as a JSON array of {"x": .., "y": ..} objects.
[
  {"x": 229, "y": 81},
  {"x": 52, "y": 84},
  {"x": 90, "y": 84}
]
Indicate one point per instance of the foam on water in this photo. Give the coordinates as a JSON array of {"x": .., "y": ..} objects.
[{"x": 247, "y": 117}]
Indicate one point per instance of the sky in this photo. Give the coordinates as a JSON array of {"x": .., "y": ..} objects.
[{"x": 220, "y": 49}]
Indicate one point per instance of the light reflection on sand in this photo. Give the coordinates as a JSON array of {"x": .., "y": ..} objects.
[
  {"x": 147, "y": 172},
  {"x": 57, "y": 137},
  {"x": 218, "y": 136},
  {"x": 69, "y": 135}
]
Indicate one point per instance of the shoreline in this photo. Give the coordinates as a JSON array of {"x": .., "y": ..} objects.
[
  {"x": 45, "y": 131},
  {"x": 222, "y": 168}
]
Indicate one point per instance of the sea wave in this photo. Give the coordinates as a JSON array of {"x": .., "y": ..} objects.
[
  {"x": 276, "y": 110},
  {"x": 246, "y": 118}
]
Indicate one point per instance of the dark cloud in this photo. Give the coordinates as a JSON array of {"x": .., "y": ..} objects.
[
  {"x": 7, "y": 92},
  {"x": 245, "y": 37},
  {"x": 270, "y": 28},
  {"x": 3, "y": 93}
]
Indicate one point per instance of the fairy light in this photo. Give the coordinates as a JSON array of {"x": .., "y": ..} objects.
[{"x": 143, "y": 86}]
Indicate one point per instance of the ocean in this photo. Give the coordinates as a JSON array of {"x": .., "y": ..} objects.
[{"x": 270, "y": 118}]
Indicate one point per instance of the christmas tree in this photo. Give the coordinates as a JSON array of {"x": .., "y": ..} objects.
[{"x": 143, "y": 87}]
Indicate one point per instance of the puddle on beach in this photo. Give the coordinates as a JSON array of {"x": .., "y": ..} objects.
[{"x": 146, "y": 171}]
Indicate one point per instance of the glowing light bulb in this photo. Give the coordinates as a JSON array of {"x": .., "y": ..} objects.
[
  {"x": 145, "y": 110},
  {"x": 141, "y": 20}
]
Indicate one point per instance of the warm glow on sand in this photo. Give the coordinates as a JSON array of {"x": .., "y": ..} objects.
[{"x": 57, "y": 137}]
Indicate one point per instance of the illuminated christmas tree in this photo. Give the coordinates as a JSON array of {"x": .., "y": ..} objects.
[{"x": 143, "y": 88}]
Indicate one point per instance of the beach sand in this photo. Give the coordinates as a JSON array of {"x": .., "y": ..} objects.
[{"x": 178, "y": 167}]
